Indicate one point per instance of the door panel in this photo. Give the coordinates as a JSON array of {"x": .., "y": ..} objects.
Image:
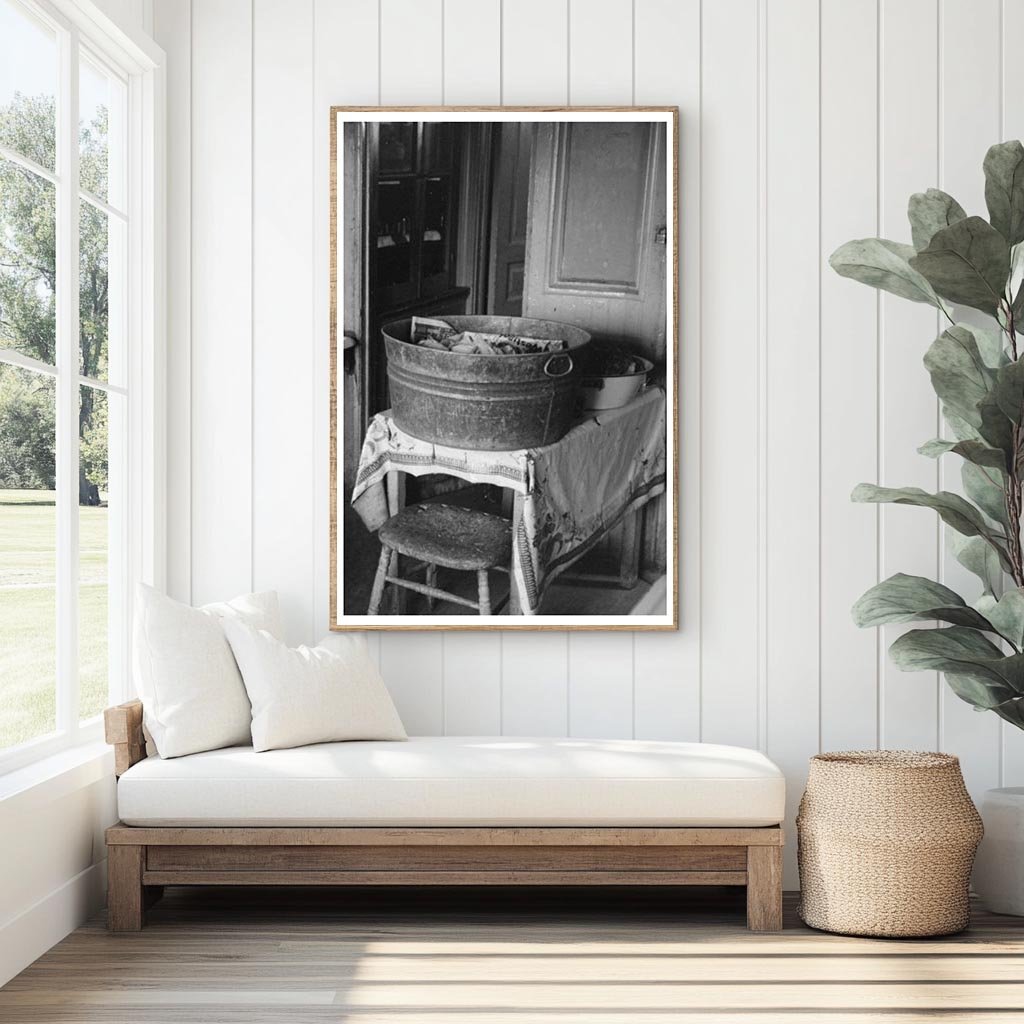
[
  {"x": 509, "y": 218},
  {"x": 595, "y": 252}
]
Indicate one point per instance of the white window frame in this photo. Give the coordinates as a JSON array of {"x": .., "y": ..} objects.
[{"x": 140, "y": 64}]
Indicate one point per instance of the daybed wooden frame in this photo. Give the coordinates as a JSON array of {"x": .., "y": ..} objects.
[{"x": 143, "y": 860}]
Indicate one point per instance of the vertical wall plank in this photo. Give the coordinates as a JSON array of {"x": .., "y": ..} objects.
[
  {"x": 350, "y": 29},
  {"x": 534, "y": 669},
  {"x": 601, "y": 667},
  {"x": 1012, "y": 127},
  {"x": 969, "y": 113},
  {"x": 221, "y": 377},
  {"x": 730, "y": 192},
  {"x": 472, "y": 684},
  {"x": 472, "y": 74},
  {"x": 173, "y": 31},
  {"x": 411, "y": 54},
  {"x": 535, "y": 69},
  {"x": 666, "y": 668},
  {"x": 534, "y": 52},
  {"x": 849, "y": 372},
  {"x": 412, "y": 665},
  {"x": 283, "y": 336},
  {"x": 908, "y": 102},
  {"x": 792, "y": 384},
  {"x": 472, "y": 52},
  {"x": 601, "y": 52},
  {"x": 601, "y": 685}
]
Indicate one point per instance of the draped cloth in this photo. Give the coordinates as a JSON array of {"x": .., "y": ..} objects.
[{"x": 609, "y": 464}]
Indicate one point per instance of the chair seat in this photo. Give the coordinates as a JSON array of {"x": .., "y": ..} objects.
[{"x": 456, "y": 538}]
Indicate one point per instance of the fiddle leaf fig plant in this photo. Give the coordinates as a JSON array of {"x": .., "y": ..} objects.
[{"x": 977, "y": 373}]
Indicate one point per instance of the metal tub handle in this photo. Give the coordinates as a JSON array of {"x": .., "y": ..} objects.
[{"x": 551, "y": 369}]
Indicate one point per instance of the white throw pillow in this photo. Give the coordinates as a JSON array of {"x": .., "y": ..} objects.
[
  {"x": 192, "y": 693},
  {"x": 309, "y": 694}
]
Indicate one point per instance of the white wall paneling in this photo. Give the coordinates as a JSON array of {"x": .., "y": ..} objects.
[
  {"x": 283, "y": 303},
  {"x": 803, "y": 124},
  {"x": 849, "y": 374},
  {"x": 731, "y": 334},
  {"x": 790, "y": 389},
  {"x": 222, "y": 275},
  {"x": 173, "y": 24}
]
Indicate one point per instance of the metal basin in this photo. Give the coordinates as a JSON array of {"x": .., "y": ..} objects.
[{"x": 485, "y": 402}]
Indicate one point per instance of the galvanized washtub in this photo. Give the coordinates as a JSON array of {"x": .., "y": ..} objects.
[{"x": 485, "y": 402}]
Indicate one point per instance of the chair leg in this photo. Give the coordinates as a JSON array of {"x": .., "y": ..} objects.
[
  {"x": 484, "y": 590},
  {"x": 378, "y": 581},
  {"x": 431, "y": 582}
]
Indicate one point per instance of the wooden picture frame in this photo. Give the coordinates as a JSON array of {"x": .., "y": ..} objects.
[{"x": 450, "y": 160}]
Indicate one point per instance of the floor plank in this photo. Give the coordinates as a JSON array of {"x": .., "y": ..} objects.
[{"x": 495, "y": 956}]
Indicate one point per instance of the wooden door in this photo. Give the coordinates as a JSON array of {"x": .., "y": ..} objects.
[
  {"x": 509, "y": 212},
  {"x": 352, "y": 333},
  {"x": 595, "y": 249}
]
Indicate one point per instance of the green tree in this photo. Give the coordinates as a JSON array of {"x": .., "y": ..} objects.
[{"x": 28, "y": 284}]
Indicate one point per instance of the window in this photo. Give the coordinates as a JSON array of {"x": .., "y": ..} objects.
[{"x": 72, "y": 400}]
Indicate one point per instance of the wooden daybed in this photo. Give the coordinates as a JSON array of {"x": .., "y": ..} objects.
[{"x": 183, "y": 849}]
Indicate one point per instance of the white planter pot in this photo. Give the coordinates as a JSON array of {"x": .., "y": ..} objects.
[{"x": 999, "y": 867}]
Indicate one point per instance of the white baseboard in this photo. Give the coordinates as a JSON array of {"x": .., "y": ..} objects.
[{"x": 26, "y": 937}]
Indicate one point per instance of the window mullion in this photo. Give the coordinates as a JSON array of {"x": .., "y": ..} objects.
[{"x": 67, "y": 386}]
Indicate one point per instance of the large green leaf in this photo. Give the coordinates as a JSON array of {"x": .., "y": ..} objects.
[
  {"x": 976, "y": 555},
  {"x": 883, "y": 264},
  {"x": 903, "y": 598},
  {"x": 958, "y": 372},
  {"x": 963, "y": 652},
  {"x": 1006, "y": 614},
  {"x": 985, "y": 487},
  {"x": 967, "y": 263},
  {"x": 1004, "y": 189},
  {"x": 1009, "y": 390},
  {"x": 931, "y": 211},
  {"x": 976, "y": 452},
  {"x": 990, "y": 345},
  {"x": 996, "y": 428},
  {"x": 952, "y": 509},
  {"x": 961, "y": 429},
  {"x": 984, "y": 695}
]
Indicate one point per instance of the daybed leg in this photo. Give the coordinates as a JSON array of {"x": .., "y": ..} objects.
[
  {"x": 125, "y": 897},
  {"x": 764, "y": 888}
]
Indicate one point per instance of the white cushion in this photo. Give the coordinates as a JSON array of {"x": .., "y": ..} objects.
[
  {"x": 309, "y": 694},
  {"x": 458, "y": 780},
  {"x": 192, "y": 693}
]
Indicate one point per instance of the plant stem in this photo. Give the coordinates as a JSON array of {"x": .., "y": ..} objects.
[{"x": 1012, "y": 495}]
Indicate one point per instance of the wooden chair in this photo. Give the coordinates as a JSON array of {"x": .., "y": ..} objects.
[{"x": 447, "y": 536}]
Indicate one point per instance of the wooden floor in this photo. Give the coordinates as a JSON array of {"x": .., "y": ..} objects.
[{"x": 213, "y": 956}]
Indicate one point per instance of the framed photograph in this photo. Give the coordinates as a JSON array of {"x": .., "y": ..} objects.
[{"x": 504, "y": 397}]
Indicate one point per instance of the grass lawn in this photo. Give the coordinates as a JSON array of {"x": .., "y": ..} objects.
[{"x": 28, "y": 615}]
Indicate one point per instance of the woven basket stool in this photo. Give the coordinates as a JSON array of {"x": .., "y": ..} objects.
[
  {"x": 455, "y": 538},
  {"x": 886, "y": 841}
]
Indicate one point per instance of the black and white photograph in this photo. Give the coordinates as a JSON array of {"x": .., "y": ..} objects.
[{"x": 504, "y": 368}]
